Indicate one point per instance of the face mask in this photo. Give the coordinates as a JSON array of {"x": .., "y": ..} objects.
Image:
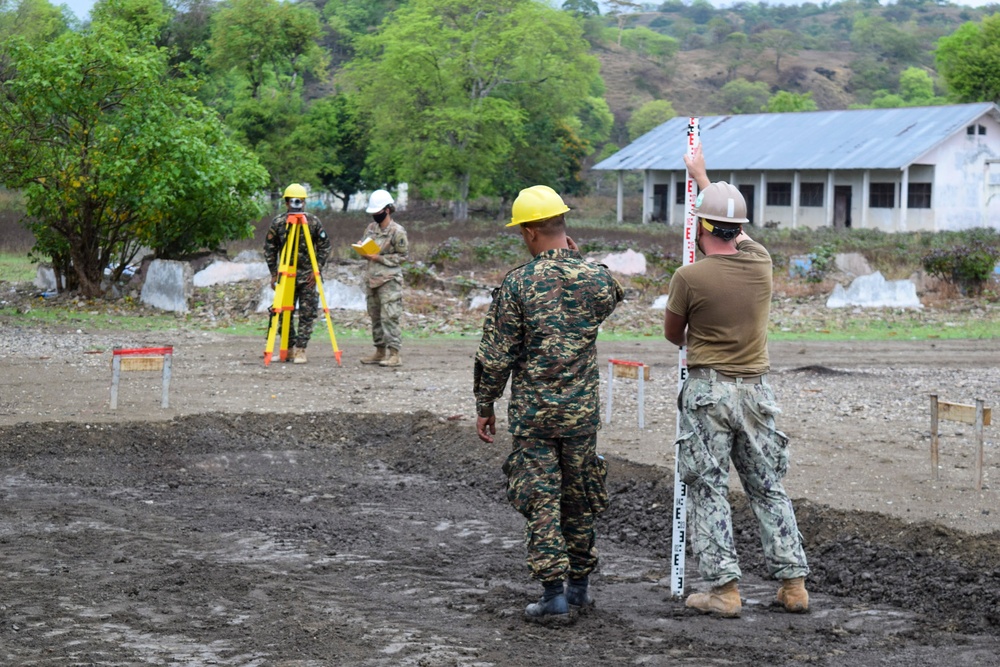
[{"x": 380, "y": 216}]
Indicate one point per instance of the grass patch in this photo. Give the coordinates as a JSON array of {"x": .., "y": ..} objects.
[{"x": 16, "y": 267}]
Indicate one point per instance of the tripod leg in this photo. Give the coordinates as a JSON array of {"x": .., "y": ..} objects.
[
  {"x": 288, "y": 291},
  {"x": 322, "y": 296},
  {"x": 279, "y": 291}
]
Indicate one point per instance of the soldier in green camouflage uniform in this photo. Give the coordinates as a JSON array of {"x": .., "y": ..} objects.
[
  {"x": 384, "y": 280},
  {"x": 306, "y": 295},
  {"x": 541, "y": 331},
  {"x": 719, "y": 307}
]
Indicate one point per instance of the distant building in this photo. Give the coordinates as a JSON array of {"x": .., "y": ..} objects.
[{"x": 917, "y": 168}]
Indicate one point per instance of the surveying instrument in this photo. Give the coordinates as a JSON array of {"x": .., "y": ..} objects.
[{"x": 296, "y": 226}]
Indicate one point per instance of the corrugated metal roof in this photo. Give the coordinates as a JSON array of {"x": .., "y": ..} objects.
[{"x": 855, "y": 139}]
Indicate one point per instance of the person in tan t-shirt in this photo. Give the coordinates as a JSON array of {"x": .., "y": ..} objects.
[{"x": 719, "y": 307}]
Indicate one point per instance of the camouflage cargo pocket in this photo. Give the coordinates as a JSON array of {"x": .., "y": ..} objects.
[
  {"x": 595, "y": 482},
  {"x": 694, "y": 460},
  {"x": 518, "y": 493}
]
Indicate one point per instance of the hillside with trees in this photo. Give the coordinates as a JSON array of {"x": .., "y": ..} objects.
[{"x": 155, "y": 116}]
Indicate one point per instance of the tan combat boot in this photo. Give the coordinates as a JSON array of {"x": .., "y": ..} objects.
[
  {"x": 794, "y": 596},
  {"x": 290, "y": 356},
  {"x": 300, "y": 356},
  {"x": 393, "y": 358},
  {"x": 375, "y": 358},
  {"x": 722, "y": 600}
]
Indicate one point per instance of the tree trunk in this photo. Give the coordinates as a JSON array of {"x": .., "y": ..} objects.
[
  {"x": 87, "y": 269},
  {"x": 461, "y": 210}
]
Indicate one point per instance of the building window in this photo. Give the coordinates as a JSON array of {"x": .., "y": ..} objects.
[
  {"x": 811, "y": 194},
  {"x": 882, "y": 195},
  {"x": 680, "y": 196},
  {"x": 779, "y": 194},
  {"x": 971, "y": 130},
  {"x": 918, "y": 195},
  {"x": 982, "y": 130}
]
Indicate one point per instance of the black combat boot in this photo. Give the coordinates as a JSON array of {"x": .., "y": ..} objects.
[
  {"x": 578, "y": 592},
  {"x": 552, "y": 603}
]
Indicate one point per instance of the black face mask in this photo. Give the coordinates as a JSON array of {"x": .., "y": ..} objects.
[{"x": 380, "y": 216}]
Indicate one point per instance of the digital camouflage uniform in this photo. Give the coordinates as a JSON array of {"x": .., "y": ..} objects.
[
  {"x": 306, "y": 298},
  {"x": 727, "y": 411},
  {"x": 720, "y": 421},
  {"x": 384, "y": 284},
  {"x": 541, "y": 331}
]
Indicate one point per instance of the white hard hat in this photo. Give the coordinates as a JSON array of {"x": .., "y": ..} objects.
[{"x": 378, "y": 201}]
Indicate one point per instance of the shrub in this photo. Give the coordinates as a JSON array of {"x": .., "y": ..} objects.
[
  {"x": 503, "y": 249},
  {"x": 966, "y": 267},
  {"x": 446, "y": 252},
  {"x": 822, "y": 257}
]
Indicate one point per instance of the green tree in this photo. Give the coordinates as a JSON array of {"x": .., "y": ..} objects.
[
  {"x": 782, "y": 43},
  {"x": 335, "y": 133},
  {"x": 357, "y": 17},
  {"x": 741, "y": 96},
  {"x": 784, "y": 101},
  {"x": 648, "y": 43},
  {"x": 877, "y": 36},
  {"x": 37, "y": 21},
  {"x": 916, "y": 87},
  {"x": 113, "y": 154},
  {"x": 582, "y": 7},
  {"x": 648, "y": 117},
  {"x": 451, "y": 85},
  {"x": 969, "y": 61},
  {"x": 263, "y": 39}
]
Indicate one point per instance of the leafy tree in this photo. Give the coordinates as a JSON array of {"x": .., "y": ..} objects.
[
  {"x": 357, "y": 17},
  {"x": 916, "y": 86},
  {"x": 784, "y": 101},
  {"x": 648, "y": 43},
  {"x": 37, "y": 21},
  {"x": 582, "y": 7},
  {"x": 267, "y": 38},
  {"x": 875, "y": 35},
  {"x": 621, "y": 10},
  {"x": 782, "y": 42},
  {"x": 648, "y": 117},
  {"x": 969, "y": 61},
  {"x": 335, "y": 132},
  {"x": 594, "y": 120},
  {"x": 741, "y": 96},
  {"x": 735, "y": 51},
  {"x": 451, "y": 85},
  {"x": 113, "y": 154}
]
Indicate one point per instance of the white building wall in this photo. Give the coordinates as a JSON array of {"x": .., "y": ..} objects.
[{"x": 960, "y": 190}]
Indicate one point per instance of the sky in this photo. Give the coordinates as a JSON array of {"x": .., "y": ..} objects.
[{"x": 82, "y": 7}]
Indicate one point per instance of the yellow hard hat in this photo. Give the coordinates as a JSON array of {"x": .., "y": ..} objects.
[
  {"x": 539, "y": 202},
  {"x": 295, "y": 190}
]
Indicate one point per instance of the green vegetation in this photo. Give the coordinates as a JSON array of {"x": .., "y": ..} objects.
[
  {"x": 160, "y": 125},
  {"x": 16, "y": 267}
]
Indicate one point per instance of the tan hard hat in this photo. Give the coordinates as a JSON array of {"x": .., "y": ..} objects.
[{"x": 721, "y": 202}]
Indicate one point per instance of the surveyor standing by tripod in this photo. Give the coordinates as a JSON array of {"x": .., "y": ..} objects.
[
  {"x": 384, "y": 280},
  {"x": 306, "y": 295},
  {"x": 541, "y": 332},
  {"x": 719, "y": 307}
]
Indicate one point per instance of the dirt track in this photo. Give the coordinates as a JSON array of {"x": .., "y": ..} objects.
[{"x": 316, "y": 515}]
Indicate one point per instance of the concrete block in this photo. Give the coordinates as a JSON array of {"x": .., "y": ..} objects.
[
  {"x": 168, "y": 285},
  {"x": 45, "y": 278},
  {"x": 338, "y": 295},
  {"x": 628, "y": 263},
  {"x": 220, "y": 272},
  {"x": 874, "y": 291},
  {"x": 853, "y": 264}
]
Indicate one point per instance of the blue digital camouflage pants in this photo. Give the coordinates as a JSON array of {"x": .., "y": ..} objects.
[
  {"x": 558, "y": 484},
  {"x": 385, "y": 307},
  {"x": 720, "y": 421}
]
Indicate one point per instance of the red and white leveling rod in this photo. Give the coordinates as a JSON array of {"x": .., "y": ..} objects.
[{"x": 680, "y": 488}]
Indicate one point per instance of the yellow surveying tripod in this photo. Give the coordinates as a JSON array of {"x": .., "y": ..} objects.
[{"x": 296, "y": 225}]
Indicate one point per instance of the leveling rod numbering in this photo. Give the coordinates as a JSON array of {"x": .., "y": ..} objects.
[{"x": 679, "y": 535}]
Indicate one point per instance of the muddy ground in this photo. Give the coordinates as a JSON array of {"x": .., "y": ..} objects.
[{"x": 347, "y": 515}]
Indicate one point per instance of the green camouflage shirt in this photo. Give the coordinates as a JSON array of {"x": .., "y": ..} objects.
[
  {"x": 395, "y": 248},
  {"x": 541, "y": 330},
  {"x": 275, "y": 241}
]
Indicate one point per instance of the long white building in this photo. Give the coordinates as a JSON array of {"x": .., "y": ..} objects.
[{"x": 918, "y": 168}]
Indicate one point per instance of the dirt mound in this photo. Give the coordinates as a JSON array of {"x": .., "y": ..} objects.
[{"x": 371, "y": 539}]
